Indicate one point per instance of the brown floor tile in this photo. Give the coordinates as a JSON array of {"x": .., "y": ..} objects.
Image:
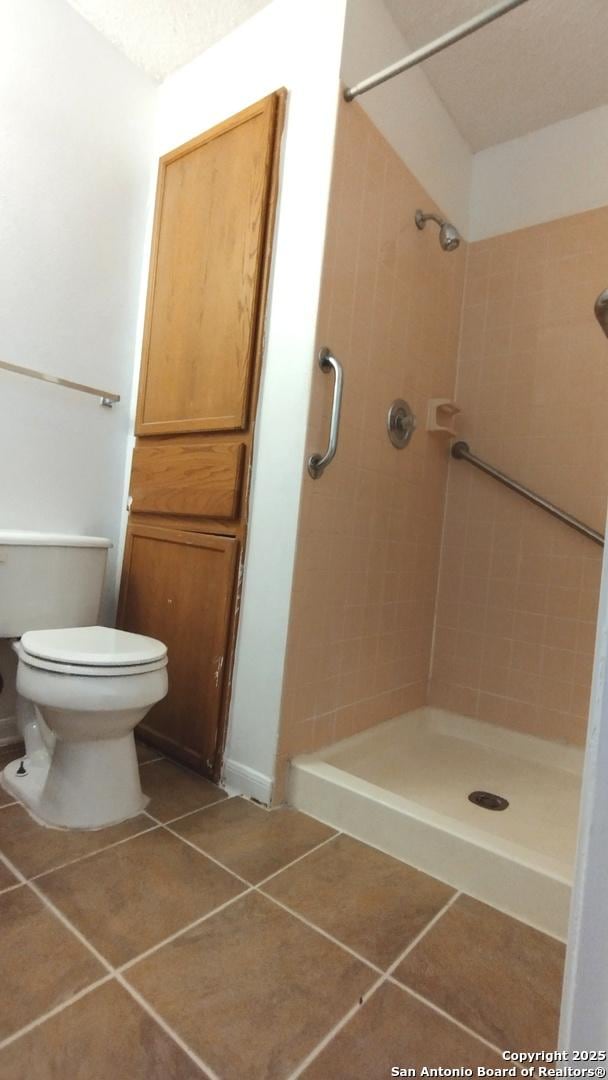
[
  {"x": 103, "y": 1036},
  {"x": 496, "y": 975},
  {"x": 251, "y": 841},
  {"x": 34, "y": 848},
  {"x": 128, "y": 898},
  {"x": 43, "y": 964},
  {"x": 392, "y": 1028},
  {"x": 368, "y": 900},
  {"x": 7, "y": 878},
  {"x": 145, "y": 752},
  {"x": 175, "y": 791},
  {"x": 251, "y": 990}
]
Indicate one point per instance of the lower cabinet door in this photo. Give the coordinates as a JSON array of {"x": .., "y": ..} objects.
[{"x": 178, "y": 587}]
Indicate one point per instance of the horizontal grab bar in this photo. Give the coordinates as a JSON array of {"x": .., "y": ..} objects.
[
  {"x": 462, "y": 452},
  {"x": 107, "y": 399}
]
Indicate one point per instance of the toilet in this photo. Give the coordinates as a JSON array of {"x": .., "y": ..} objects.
[{"x": 81, "y": 689}]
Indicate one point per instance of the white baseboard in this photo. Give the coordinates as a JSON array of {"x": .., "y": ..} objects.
[
  {"x": 240, "y": 779},
  {"x": 8, "y": 730}
]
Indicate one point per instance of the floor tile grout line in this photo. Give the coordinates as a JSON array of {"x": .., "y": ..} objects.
[
  {"x": 111, "y": 972},
  {"x": 429, "y": 926},
  {"x": 446, "y": 1015},
  {"x": 14, "y": 869},
  {"x": 336, "y": 1029},
  {"x": 189, "y": 813},
  {"x": 211, "y": 858},
  {"x": 387, "y": 977},
  {"x": 128, "y": 964},
  {"x": 319, "y": 930},
  {"x": 150, "y": 761},
  {"x": 11, "y": 888},
  {"x": 224, "y": 866},
  {"x": 275, "y": 873},
  {"x": 13, "y": 803},
  {"x": 91, "y": 854},
  {"x": 58, "y": 913},
  {"x": 162, "y": 1023},
  {"x": 50, "y": 1013}
]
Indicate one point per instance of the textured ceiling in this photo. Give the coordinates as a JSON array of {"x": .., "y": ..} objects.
[
  {"x": 161, "y": 35},
  {"x": 543, "y": 62}
]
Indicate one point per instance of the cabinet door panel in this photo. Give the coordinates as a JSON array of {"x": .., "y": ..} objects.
[
  {"x": 207, "y": 267},
  {"x": 178, "y": 587},
  {"x": 186, "y": 477}
]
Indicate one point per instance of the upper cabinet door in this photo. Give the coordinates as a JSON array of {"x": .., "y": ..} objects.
[{"x": 209, "y": 253}]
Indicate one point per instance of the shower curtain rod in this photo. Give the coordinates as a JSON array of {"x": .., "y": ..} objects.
[
  {"x": 461, "y": 452},
  {"x": 436, "y": 46}
]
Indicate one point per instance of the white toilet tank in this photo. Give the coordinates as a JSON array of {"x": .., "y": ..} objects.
[{"x": 49, "y": 580}]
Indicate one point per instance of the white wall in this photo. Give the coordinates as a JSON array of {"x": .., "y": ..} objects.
[
  {"x": 76, "y": 125},
  {"x": 407, "y": 110},
  {"x": 559, "y": 170},
  {"x": 296, "y": 46}
]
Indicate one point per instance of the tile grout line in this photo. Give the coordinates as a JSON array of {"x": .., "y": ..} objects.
[
  {"x": 91, "y": 854},
  {"x": 11, "y": 888},
  {"x": 200, "y": 851},
  {"x": 33, "y": 1024},
  {"x": 429, "y": 926},
  {"x": 444, "y": 1014},
  {"x": 325, "y": 1041},
  {"x": 158, "y": 1019},
  {"x": 117, "y": 973},
  {"x": 189, "y": 813},
  {"x": 385, "y": 976},
  {"x": 128, "y": 964},
  {"x": 275, "y": 873},
  {"x": 324, "y": 933},
  {"x": 112, "y": 974},
  {"x": 224, "y": 866}
]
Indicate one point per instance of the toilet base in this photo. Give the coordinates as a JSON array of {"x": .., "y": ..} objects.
[{"x": 86, "y": 785}]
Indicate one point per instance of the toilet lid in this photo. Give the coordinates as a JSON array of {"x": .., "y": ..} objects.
[{"x": 93, "y": 646}]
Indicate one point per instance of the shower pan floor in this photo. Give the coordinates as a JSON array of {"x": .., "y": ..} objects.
[{"x": 403, "y": 786}]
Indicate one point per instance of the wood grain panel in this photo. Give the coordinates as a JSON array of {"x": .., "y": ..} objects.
[
  {"x": 206, "y": 273},
  {"x": 178, "y": 587},
  {"x": 185, "y": 476}
]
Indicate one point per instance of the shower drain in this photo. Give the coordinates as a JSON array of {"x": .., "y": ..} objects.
[{"x": 488, "y": 801}]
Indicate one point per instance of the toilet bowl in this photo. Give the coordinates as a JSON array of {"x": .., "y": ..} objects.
[{"x": 92, "y": 685}]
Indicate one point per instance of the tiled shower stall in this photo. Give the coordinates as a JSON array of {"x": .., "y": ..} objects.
[{"x": 420, "y": 583}]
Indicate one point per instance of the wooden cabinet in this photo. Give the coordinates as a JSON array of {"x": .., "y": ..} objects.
[
  {"x": 205, "y": 279},
  {"x": 198, "y": 390},
  {"x": 179, "y": 588}
]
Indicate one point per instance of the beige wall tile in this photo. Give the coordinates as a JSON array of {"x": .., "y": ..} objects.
[
  {"x": 370, "y": 530},
  {"x": 533, "y": 390}
]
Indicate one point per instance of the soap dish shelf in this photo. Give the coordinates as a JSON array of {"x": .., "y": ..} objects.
[{"x": 440, "y": 416}]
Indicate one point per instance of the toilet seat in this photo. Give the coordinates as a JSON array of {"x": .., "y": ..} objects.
[{"x": 91, "y": 651}]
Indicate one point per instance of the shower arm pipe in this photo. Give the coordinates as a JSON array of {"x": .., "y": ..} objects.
[
  {"x": 106, "y": 397},
  {"x": 434, "y": 47},
  {"x": 461, "y": 451}
]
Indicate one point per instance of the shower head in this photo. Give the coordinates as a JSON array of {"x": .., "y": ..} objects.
[
  {"x": 601, "y": 310},
  {"x": 449, "y": 237}
]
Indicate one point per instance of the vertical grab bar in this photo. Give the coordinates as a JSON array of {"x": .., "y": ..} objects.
[{"x": 318, "y": 462}]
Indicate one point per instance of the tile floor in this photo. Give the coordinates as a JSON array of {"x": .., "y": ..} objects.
[{"x": 212, "y": 938}]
